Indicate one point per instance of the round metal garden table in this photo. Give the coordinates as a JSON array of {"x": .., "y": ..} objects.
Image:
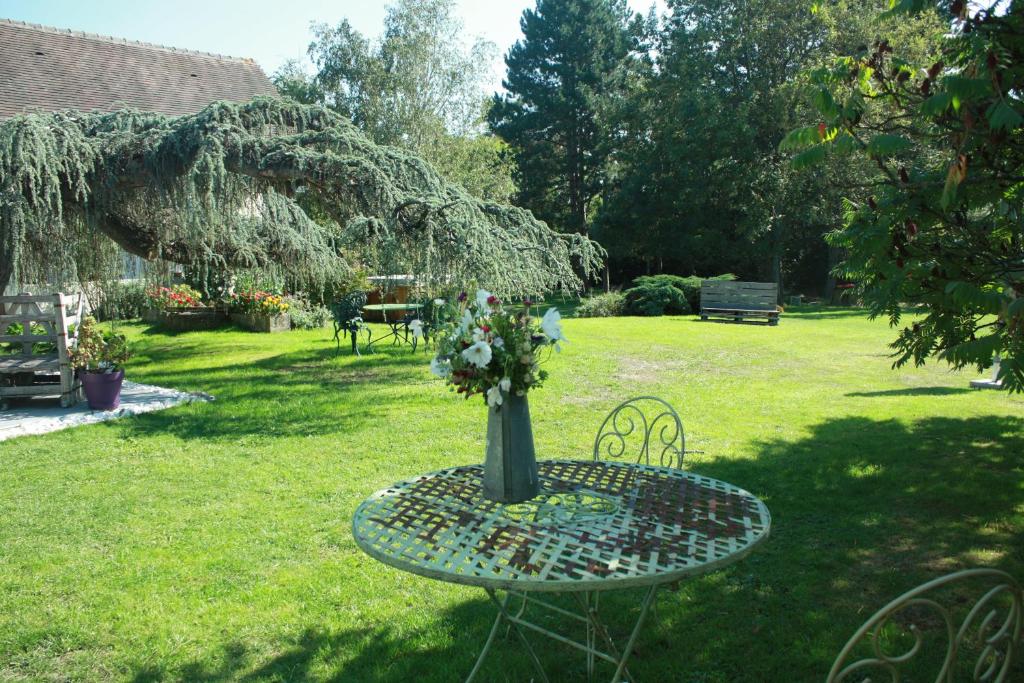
[
  {"x": 596, "y": 526},
  {"x": 397, "y": 326}
]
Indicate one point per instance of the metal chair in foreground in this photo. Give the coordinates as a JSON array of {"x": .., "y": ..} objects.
[
  {"x": 980, "y": 640},
  {"x": 646, "y": 430}
]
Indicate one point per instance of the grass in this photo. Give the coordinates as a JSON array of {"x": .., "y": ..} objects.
[{"x": 212, "y": 542}]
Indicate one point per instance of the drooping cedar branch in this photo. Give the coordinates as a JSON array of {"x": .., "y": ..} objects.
[{"x": 269, "y": 182}]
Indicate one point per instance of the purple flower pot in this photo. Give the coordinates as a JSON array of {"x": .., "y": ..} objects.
[{"x": 103, "y": 390}]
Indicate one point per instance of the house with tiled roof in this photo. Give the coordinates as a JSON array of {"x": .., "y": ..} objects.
[{"x": 48, "y": 69}]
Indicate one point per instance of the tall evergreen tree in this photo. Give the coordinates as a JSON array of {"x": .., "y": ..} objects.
[{"x": 558, "y": 75}]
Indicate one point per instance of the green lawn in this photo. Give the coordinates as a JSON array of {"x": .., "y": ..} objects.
[{"x": 212, "y": 542}]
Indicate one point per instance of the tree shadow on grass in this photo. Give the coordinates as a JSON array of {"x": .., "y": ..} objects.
[
  {"x": 862, "y": 511},
  {"x": 310, "y": 392},
  {"x": 913, "y": 391},
  {"x": 824, "y": 312}
]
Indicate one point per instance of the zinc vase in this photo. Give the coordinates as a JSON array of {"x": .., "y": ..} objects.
[{"x": 510, "y": 467}]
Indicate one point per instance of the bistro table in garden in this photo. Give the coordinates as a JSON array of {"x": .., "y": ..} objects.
[
  {"x": 596, "y": 526},
  {"x": 398, "y": 329}
]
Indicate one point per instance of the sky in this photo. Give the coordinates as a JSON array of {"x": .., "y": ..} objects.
[{"x": 269, "y": 31}]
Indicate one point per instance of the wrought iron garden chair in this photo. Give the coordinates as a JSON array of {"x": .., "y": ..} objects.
[
  {"x": 645, "y": 429},
  {"x": 648, "y": 430},
  {"x": 347, "y": 313},
  {"x": 980, "y": 640}
]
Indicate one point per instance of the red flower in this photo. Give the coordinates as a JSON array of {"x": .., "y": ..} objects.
[{"x": 492, "y": 300}]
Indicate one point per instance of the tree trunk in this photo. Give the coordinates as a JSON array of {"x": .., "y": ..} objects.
[
  {"x": 776, "y": 259},
  {"x": 830, "y": 278},
  {"x": 6, "y": 273}
]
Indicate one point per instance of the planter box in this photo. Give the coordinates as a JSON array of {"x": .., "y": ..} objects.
[
  {"x": 190, "y": 319},
  {"x": 263, "y": 323},
  {"x": 151, "y": 315}
]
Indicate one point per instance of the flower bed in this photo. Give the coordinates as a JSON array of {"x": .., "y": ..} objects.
[
  {"x": 260, "y": 311},
  {"x": 180, "y": 308},
  {"x": 257, "y": 322},
  {"x": 191, "y": 319}
]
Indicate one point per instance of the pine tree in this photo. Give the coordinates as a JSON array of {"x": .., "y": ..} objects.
[{"x": 558, "y": 75}]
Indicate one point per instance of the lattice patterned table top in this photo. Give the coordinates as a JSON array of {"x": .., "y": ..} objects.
[{"x": 597, "y": 526}]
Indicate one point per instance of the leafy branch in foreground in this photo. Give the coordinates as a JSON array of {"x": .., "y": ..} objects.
[
  {"x": 943, "y": 228},
  {"x": 267, "y": 183}
]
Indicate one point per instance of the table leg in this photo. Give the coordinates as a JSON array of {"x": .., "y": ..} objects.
[
  {"x": 596, "y": 628},
  {"x": 503, "y": 613},
  {"x": 628, "y": 650},
  {"x": 591, "y": 635},
  {"x": 487, "y": 645},
  {"x": 588, "y": 601}
]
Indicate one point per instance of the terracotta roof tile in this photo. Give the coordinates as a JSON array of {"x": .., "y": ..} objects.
[{"x": 47, "y": 69}]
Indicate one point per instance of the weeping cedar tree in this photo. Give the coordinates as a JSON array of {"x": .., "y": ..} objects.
[
  {"x": 943, "y": 226},
  {"x": 239, "y": 186}
]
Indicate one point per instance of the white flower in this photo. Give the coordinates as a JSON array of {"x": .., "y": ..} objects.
[
  {"x": 466, "y": 322},
  {"x": 440, "y": 367},
  {"x": 482, "y": 295},
  {"x": 505, "y": 384},
  {"x": 494, "y": 397},
  {"x": 417, "y": 328},
  {"x": 479, "y": 354},
  {"x": 551, "y": 326},
  {"x": 479, "y": 335},
  {"x": 439, "y": 302},
  {"x": 498, "y": 343}
]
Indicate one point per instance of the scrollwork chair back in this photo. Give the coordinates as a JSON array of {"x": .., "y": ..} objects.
[
  {"x": 981, "y": 645},
  {"x": 645, "y": 429}
]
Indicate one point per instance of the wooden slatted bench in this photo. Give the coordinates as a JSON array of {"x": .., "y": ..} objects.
[
  {"x": 739, "y": 301},
  {"x": 35, "y": 369}
]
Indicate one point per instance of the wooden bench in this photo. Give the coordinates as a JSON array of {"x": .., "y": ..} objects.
[
  {"x": 47, "y": 372},
  {"x": 739, "y": 301}
]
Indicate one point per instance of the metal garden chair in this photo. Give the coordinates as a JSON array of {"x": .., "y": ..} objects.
[
  {"x": 645, "y": 429},
  {"x": 648, "y": 430},
  {"x": 347, "y": 313},
  {"x": 986, "y": 629}
]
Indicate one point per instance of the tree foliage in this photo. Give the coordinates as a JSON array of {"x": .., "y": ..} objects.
[
  {"x": 559, "y": 76},
  {"x": 416, "y": 87},
  {"x": 698, "y": 183},
  {"x": 267, "y": 183},
  {"x": 941, "y": 228}
]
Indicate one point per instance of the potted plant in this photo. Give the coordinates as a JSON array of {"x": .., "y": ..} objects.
[
  {"x": 497, "y": 353},
  {"x": 99, "y": 359}
]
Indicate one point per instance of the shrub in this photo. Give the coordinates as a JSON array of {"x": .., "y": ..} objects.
[
  {"x": 655, "y": 297},
  {"x": 306, "y": 315},
  {"x": 122, "y": 301},
  {"x": 602, "y": 305},
  {"x": 17, "y": 329},
  {"x": 667, "y": 294}
]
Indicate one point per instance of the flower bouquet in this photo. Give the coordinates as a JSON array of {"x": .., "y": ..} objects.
[{"x": 488, "y": 350}]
